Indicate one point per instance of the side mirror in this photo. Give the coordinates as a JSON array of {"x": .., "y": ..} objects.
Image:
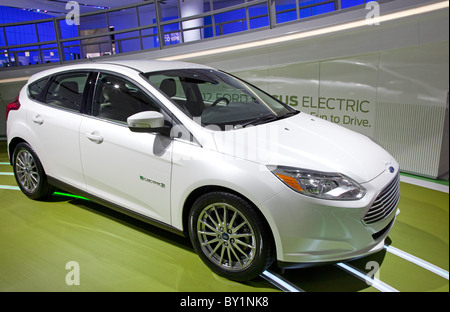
[{"x": 148, "y": 121}]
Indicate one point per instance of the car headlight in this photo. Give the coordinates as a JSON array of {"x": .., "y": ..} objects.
[{"x": 324, "y": 185}]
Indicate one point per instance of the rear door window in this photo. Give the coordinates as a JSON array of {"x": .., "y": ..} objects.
[{"x": 66, "y": 91}]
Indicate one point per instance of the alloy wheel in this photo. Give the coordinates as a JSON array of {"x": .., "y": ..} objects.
[
  {"x": 226, "y": 237},
  {"x": 27, "y": 171}
]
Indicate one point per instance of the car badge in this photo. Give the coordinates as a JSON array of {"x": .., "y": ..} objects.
[{"x": 391, "y": 169}]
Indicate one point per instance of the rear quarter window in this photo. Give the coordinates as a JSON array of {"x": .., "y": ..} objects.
[{"x": 35, "y": 88}]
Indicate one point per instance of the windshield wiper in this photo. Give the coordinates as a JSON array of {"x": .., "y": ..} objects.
[
  {"x": 266, "y": 118},
  {"x": 257, "y": 121}
]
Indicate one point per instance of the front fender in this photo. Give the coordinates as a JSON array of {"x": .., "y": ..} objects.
[{"x": 195, "y": 168}]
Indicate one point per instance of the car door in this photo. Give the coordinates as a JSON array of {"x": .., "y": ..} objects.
[
  {"x": 54, "y": 118},
  {"x": 126, "y": 168}
]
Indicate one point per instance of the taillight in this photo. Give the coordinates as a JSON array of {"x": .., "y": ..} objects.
[{"x": 14, "y": 105}]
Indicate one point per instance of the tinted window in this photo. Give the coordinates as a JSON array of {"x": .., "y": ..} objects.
[
  {"x": 218, "y": 99},
  {"x": 67, "y": 91},
  {"x": 35, "y": 88},
  {"x": 117, "y": 99}
]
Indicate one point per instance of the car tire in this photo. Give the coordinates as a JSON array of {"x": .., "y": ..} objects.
[
  {"x": 230, "y": 236},
  {"x": 29, "y": 173}
]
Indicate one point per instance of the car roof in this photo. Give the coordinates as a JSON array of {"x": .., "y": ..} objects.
[
  {"x": 143, "y": 66},
  {"x": 156, "y": 65}
]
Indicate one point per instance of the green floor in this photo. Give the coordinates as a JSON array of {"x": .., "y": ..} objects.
[{"x": 117, "y": 253}]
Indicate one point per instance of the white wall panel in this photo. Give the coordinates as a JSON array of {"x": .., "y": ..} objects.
[
  {"x": 348, "y": 92},
  {"x": 412, "y": 93},
  {"x": 399, "y": 68}
]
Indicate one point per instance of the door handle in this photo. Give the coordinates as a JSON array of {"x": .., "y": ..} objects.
[
  {"x": 38, "y": 120},
  {"x": 94, "y": 137}
]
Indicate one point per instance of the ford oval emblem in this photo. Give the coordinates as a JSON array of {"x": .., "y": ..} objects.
[{"x": 391, "y": 169}]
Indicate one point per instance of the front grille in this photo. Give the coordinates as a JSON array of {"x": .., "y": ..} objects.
[{"x": 385, "y": 202}]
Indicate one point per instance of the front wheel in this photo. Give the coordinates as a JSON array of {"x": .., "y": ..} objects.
[
  {"x": 230, "y": 236},
  {"x": 29, "y": 174}
]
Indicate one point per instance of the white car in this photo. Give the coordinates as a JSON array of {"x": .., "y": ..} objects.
[{"x": 204, "y": 154}]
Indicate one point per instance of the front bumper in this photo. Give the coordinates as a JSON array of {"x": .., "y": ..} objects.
[{"x": 312, "y": 231}]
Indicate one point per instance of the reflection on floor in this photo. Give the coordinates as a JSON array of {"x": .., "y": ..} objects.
[{"x": 43, "y": 243}]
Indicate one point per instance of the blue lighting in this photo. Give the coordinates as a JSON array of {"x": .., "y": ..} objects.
[{"x": 234, "y": 21}]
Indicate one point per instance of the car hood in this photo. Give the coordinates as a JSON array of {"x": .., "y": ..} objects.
[{"x": 307, "y": 142}]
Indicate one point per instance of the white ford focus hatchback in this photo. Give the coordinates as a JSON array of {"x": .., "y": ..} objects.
[{"x": 204, "y": 154}]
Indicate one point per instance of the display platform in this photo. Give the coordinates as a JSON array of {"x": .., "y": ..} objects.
[{"x": 71, "y": 244}]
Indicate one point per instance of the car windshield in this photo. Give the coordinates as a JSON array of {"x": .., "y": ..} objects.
[{"x": 216, "y": 98}]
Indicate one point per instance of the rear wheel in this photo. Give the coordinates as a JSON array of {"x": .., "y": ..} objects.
[
  {"x": 230, "y": 236},
  {"x": 29, "y": 174}
]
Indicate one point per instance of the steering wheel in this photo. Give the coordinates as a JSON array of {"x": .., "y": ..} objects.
[{"x": 219, "y": 100}]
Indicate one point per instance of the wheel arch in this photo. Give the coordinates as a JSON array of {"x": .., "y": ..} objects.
[
  {"x": 12, "y": 146},
  {"x": 195, "y": 194}
]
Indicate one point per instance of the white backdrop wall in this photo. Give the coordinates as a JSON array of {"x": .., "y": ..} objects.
[{"x": 389, "y": 82}]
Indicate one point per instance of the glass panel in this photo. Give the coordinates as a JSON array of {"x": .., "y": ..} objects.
[
  {"x": 2, "y": 37},
  {"x": 21, "y": 34},
  {"x": 71, "y": 50},
  {"x": 126, "y": 35},
  {"x": 97, "y": 46},
  {"x": 305, "y": 13},
  {"x": 149, "y": 38},
  {"x": 149, "y": 31},
  {"x": 208, "y": 31},
  {"x": 123, "y": 19},
  {"x": 312, "y": 7},
  {"x": 220, "y": 4},
  {"x": 67, "y": 31},
  {"x": 28, "y": 57},
  {"x": 46, "y": 31},
  {"x": 169, "y": 9},
  {"x": 323, "y": 8},
  {"x": 48, "y": 46},
  {"x": 303, "y": 3},
  {"x": 72, "y": 53},
  {"x": 259, "y": 16},
  {"x": 4, "y": 59},
  {"x": 286, "y": 11},
  {"x": 50, "y": 56},
  {"x": 150, "y": 42},
  {"x": 93, "y": 22},
  {"x": 147, "y": 14},
  {"x": 171, "y": 34},
  {"x": 26, "y": 48},
  {"x": 230, "y": 22},
  {"x": 127, "y": 42},
  {"x": 350, "y": 3},
  {"x": 207, "y": 6}
]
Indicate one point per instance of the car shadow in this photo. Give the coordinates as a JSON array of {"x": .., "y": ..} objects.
[
  {"x": 152, "y": 231},
  {"x": 332, "y": 278},
  {"x": 134, "y": 223}
]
